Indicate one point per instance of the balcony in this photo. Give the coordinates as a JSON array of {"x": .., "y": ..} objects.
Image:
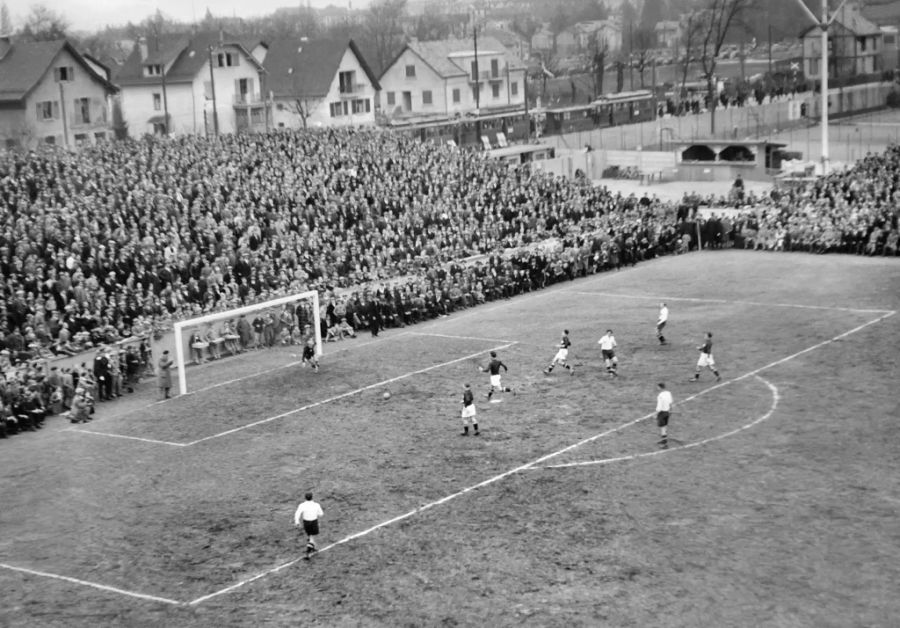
[
  {"x": 247, "y": 100},
  {"x": 485, "y": 75},
  {"x": 352, "y": 91}
]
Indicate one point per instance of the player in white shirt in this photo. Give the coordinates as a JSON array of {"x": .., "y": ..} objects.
[
  {"x": 608, "y": 350},
  {"x": 562, "y": 354},
  {"x": 308, "y": 514},
  {"x": 664, "y": 403},
  {"x": 661, "y": 322}
]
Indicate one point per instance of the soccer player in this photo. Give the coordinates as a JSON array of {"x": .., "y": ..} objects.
[
  {"x": 309, "y": 355},
  {"x": 309, "y": 512},
  {"x": 706, "y": 359},
  {"x": 608, "y": 350},
  {"x": 664, "y": 403},
  {"x": 468, "y": 411},
  {"x": 493, "y": 368},
  {"x": 661, "y": 322},
  {"x": 562, "y": 354}
]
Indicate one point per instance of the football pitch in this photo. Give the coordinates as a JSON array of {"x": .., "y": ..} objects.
[{"x": 776, "y": 503}]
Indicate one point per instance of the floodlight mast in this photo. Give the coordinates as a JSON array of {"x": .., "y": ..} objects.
[{"x": 823, "y": 25}]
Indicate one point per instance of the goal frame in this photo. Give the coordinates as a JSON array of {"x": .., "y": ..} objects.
[{"x": 228, "y": 314}]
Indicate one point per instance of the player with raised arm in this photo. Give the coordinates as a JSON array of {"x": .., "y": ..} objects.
[
  {"x": 706, "y": 359},
  {"x": 661, "y": 322},
  {"x": 469, "y": 414},
  {"x": 562, "y": 354},
  {"x": 493, "y": 368},
  {"x": 608, "y": 350}
]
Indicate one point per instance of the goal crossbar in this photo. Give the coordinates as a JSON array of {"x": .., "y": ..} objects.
[{"x": 228, "y": 314}]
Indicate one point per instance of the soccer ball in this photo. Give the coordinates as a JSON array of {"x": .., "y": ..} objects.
[{"x": 386, "y": 395}]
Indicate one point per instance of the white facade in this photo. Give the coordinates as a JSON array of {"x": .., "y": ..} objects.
[
  {"x": 350, "y": 101},
  {"x": 412, "y": 87}
]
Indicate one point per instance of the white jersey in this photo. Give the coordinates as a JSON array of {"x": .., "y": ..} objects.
[
  {"x": 663, "y": 315},
  {"x": 664, "y": 401},
  {"x": 607, "y": 342}
]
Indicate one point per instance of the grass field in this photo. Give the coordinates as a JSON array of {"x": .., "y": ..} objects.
[{"x": 777, "y": 506}]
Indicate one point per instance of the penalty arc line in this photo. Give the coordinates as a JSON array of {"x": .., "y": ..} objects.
[
  {"x": 776, "y": 397},
  {"x": 346, "y": 394},
  {"x": 528, "y": 465},
  {"x": 95, "y": 585}
]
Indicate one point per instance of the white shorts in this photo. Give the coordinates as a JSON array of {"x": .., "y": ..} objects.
[
  {"x": 468, "y": 412},
  {"x": 561, "y": 355},
  {"x": 495, "y": 381},
  {"x": 706, "y": 359}
]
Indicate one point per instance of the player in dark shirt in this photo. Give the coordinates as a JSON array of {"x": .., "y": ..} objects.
[
  {"x": 468, "y": 411},
  {"x": 309, "y": 356},
  {"x": 562, "y": 354},
  {"x": 706, "y": 359},
  {"x": 493, "y": 368}
]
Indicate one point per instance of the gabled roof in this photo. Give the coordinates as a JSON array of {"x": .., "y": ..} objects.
[
  {"x": 850, "y": 18},
  {"x": 437, "y": 54},
  {"x": 26, "y": 63},
  {"x": 297, "y": 67},
  {"x": 188, "y": 54}
]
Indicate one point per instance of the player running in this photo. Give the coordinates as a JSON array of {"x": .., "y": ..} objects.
[
  {"x": 493, "y": 368},
  {"x": 562, "y": 354},
  {"x": 608, "y": 350},
  {"x": 309, "y": 356},
  {"x": 706, "y": 359},
  {"x": 661, "y": 322}
]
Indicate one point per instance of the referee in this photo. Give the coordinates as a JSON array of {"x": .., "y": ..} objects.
[{"x": 309, "y": 512}]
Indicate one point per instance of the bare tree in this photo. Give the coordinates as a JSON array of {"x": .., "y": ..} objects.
[
  {"x": 43, "y": 24},
  {"x": 643, "y": 41},
  {"x": 690, "y": 39},
  {"x": 598, "y": 63},
  {"x": 717, "y": 19},
  {"x": 384, "y": 30}
]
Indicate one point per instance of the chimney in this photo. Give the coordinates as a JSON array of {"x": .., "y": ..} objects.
[
  {"x": 142, "y": 46},
  {"x": 5, "y": 45}
]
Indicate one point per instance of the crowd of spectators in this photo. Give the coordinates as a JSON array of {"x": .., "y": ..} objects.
[{"x": 118, "y": 240}]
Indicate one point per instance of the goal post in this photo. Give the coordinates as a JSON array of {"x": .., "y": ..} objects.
[{"x": 183, "y": 330}]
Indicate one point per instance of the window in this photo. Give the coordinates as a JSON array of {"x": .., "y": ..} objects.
[
  {"x": 82, "y": 110},
  {"x": 11, "y": 143},
  {"x": 81, "y": 139},
  {"x": 426, "y": 97},
  {"x": 347, "y": 82},
  {"x": 889, "y": 40},
  {"x": 159, "y": 128},
  {"x": 474, "y": 70},
  {"x": 495, "y": 90},
  {"x": 100, "y": 136},
  {"x": 334, "y": 109},
  {"x": 362, "y": 105},
  {"x": 154, "y": 69},
  {"x": 495, "y": 68},
  {"x": 157, "y": 102},
  {"x": 862, "y": 43},
  {"x": 391, "y": 99},
  {"x": 48, "y": 110},
  {"x": 50, "y": 139},
  {"x": 256, "y": 115},
  {"x": 410, "y": 71},
  {"x": 227, "y": 59},
  {"x": 514, "y": 88},
  {"x": 64, "y": 73},
  {"x": 456, "y": 95}
]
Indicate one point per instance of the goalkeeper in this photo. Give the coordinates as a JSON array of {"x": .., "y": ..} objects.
[{"x": 309, "y": 355}]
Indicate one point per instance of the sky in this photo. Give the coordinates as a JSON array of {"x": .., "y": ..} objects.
[{"x": 89, "y": 15}]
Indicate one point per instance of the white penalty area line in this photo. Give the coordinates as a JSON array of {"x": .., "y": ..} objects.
[
  {"x": 348, "y": 394},
  {"x": 528, "y": 465},
  {"x": 95, "y": 585},
  {"x": 776, "y": 397},
  {"x": 137, "y": 438},
  {"x": 453, "y": 337},
  {"x": 729, "y": 301}
]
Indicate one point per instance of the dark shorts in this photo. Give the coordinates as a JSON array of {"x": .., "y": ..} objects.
[
  {"x": 662, "y": 419},
  {"x": 608, "y": 354},
  {"x": 311, "y": 527},
  {"x": 659, "y": 326}
]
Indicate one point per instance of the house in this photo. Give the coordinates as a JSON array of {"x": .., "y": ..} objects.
[
  {"x": 186, "y": 84},
  {"x": 567, "y": 42},
  {"x": 319, "y": 82},
  {"x": 602, "y": 33},
  {"x": 890, "y": 51},
  {"x": 668, "y": 34},
  {"x": 854, "y": 46},
  {"x": 445, "y": 78},
  {"x": 514, "y": 42},
  {"x": 543, "y": 40},
  {"x": 49, "y": 94}
]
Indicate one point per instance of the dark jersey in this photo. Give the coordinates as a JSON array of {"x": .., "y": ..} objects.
[
  {"x": 565, "y": 343},
  {"x": 495, "y": 365},
  {"x": 309, "y": 353},
  {"x": 468, "y": 398},
  {"x": 707, "y": 347}
]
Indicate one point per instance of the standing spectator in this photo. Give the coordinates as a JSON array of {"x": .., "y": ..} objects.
[{"x": 165, "y": 376}]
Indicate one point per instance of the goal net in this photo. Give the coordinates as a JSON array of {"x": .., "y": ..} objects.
[{"x": 290, "y": 320}]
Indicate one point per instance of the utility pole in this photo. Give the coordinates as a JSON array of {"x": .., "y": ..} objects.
[
  {"x": 165, "y": 102},
  {"x": 212, "y": 89}
]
